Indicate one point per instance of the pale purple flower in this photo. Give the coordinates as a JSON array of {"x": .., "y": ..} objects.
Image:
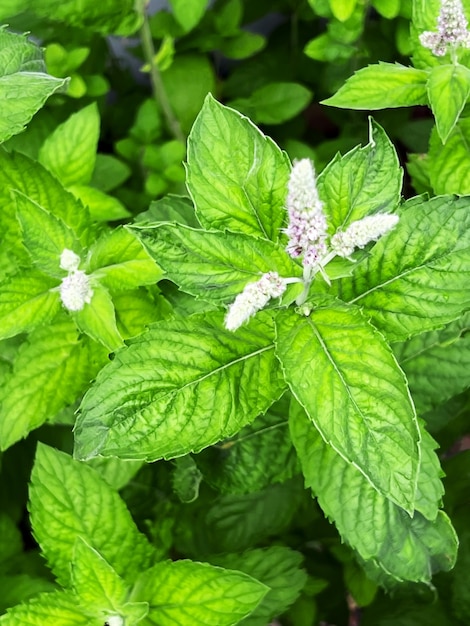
[
  {"x": 75, "y": 291},
  {"x": 452, "y": 29},
  {"x": 253, "y": 298},
  {"x": 360, "y": 233}
]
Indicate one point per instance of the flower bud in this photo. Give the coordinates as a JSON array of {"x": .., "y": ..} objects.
[{"x": 75, "y": 291}]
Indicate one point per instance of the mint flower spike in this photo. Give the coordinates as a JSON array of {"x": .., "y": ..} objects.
[
  {"x": 360, "y": 233},
  {"x": 452, "y": 29},
  {"x": 253, "y": 298},
  {"x": 69, "y": 261},
  {"x": 75, "y": 291}
]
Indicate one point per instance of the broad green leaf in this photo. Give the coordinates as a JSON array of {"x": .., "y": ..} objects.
[
  {"x": 237, "y": 177},
  {"x": 388, "y": 8},
  {"x": 448, "y": 90},
  {"x": 119, "y": 261},
  {"x": 278, "y": 568},
  {"x": 415, "y": 278},
  {"x": 449, "y": 164},
  {"x": 11, "y": 542},
  {"x": 342, "y": 9},
  {"x": 274, "y": 103},
  {"x": 101, "y": 206},
  {"x": 381, "y": 86},
  {"x": 211, "y": 265},
  {"x": 361, "y": 407},
  {"x": 138, "y": 308},
  {"x": 176, "y": 389},
  {"x": 401, "y": 547},
  {"x": 44, "y": 236},
  {"x": 50, "y": 609},
  {"x": 98, "y": 320},
  {"x": 24, "y": 84},
  {"x": 260, "y": 455},
  {"x": 362, "y": 182},
  {"x": 188, "y": 13},
  {"x": 17, "y": 588},
  {"x": 27, "y": 300},
  {"x": 178, "y": 209},
  {"x": 437, "y": 364},
  {"x": 53, "y": 367},
  {"x": 116, "y": 472},
  {"x": 70, "y": 151},
  {"x": 109, "y": 173},
  {"x": 195, "y": 594},
  {"x": 242, "y": 45},
  {"x": 68, "y": 500}
]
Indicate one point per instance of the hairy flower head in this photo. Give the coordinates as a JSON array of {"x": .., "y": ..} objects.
[
  {"x": 253, "y": 298},
  {"x": 76, "y": 291},
  {"x": 452, "y": 29},
  {"x": 69, "y": 261},
  {"x": 360, "y": 233}
]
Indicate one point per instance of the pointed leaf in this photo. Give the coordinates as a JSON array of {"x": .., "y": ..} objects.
[
  {"x": 97, "y": 319},
  {"x": 177, "y": 389},
  {"x": 18, "y": 588},
  {"x": 237, "y": 177},
  {"x": 68, "y": 500},
  {"x": 448, "y": 90},
  {"x": 361, "y": 406},
  {"x": 401, "y": 547},
  {"x": 188, "y": 14},
  {"x": 449, "y": 164},
  {"x": 195, "y": 594},
  {"x": 50, "y": 609}
]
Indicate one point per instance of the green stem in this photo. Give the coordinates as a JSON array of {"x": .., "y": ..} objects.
[{"x": 158, "y": 88}]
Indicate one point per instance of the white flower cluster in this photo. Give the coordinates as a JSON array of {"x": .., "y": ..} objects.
[
  {"x": 75, "y": 289},
  {"x": 115, "y": 620},
  {"x": 253, "y": 298},
  {"x": 360, "y": 233},
  {"x": 452, "y": 29}
]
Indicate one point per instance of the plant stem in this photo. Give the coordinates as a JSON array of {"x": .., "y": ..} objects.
[{"x": 158, "y": 88}]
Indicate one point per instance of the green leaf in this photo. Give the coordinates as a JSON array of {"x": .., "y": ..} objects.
[
  {"x": 274, "y": 103},
  {"x": 381, "y": 86},
  {"x": 186, "y": 478},
  {"x": 50, "y": 609},
  {"x": 211, "y": 265},
  {"x": 44, "y": 236},
  {"x": 109, "y": 173},
  {"x": 237, "y": 177},
  {"x": 68, "y": 500},
  {"x": 24, "y": 84},
  {"x": 449, "y": 164},
  {"x": 174, "y": 390},
  {"x": 401, "y": 547},
  {"x": 27, "y": 300},
  {"x": 195, "y": 594},
  {"x": 188, "y": 13},
  {"x": 97, "y": 319},
  {"x": 138, "y": 308},
  {"x": 364, "y": 181},
  {"x": 70, "y": 151},
  {"x": 171, "y": 208},
  {"x": 102, "y": 207},
  {"x": 415, "y": 278},
  {"x": 52, "y": 368},
  {"x": 388, "y": 8},
  {"x": 278, "y": 568},
  {"x": 361, "y": 407},
  {"x": 11, "y": 542},
  {"x": 115, "y": 472},
  {"x": 119, "y": 261},
  {"x": 242, "y": 45},
  {"x": 21, "y": 587},
  {"x": 342, "y": 9},
  {"x": 448, "y": 90}
]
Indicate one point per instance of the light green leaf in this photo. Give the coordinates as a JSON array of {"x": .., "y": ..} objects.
[
  {"x": 176, "y": 389},
  {"x": 449, "y": 164},
  {"x": 98, "y": 320},
  {"x": 50, "y": 609},
  {"x": 27, "y": 300},
  {"x": 448, "y": 90},
  {"x": 44, "y": 235},
  {"x": 430, "y": 488},
  {"x": 70, "y": 151},
  {"x": 188, "y": 13},
  {"x": 18, "y": 588},
  {"x": 53, "y": 367},
  {"x": 237, "y": 177},
  {"x": 415, "y": 278},
  {"x": 138, "y": 308},
  {"x": 242, "y": 45},
  {"x": 278, "y": 568},
  {"x": 119, "y": 261},
  {"x": 381, "y": 86},
  {"x": 195, "y": 594},
  {"x": 364, "y": 181},
  {"x": 68, "y": 499},
  {"x": 186, "y": 479},
  {"x": 109, "y": 172},
  {"x": 361, "y": 406},
  {"x": 211, "y": 265},
  {"x": 342, "y": 9},
  {"x": 24, "y": 84},
  {"x": 102, "y": 207},
  {"x": 388, "y": 8},
  {"x": 274, "y": 103},
  {"x": 401, "y": 547}
]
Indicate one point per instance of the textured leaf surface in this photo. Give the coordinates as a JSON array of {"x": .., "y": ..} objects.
[
  {"x": 178, "y": 388},
  {"x": 237, "y": 177},
  {"x": 98, "y": 320},
  {"x": 24, "y": 83},
  {"x": 401, "y": 547},
  {"x": 345, "y": 376},
  {"x": 366, "y": 180},
  {"x": 68, "y": 500},
  {"x": 51, "y": 370},
  {"x": 449, "y": 165},
  {"x": 213, "y": 266},
  {"x": 70, "y": 151},
  {"x": 416, "y": 277},
  {"x": 279, "y": 568},
  {"x": 382, "y": 86},
  {"x": 197, "y": 594},
  {"x": 50, "y": 609},
  {"x": 448, "y": 89}
]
